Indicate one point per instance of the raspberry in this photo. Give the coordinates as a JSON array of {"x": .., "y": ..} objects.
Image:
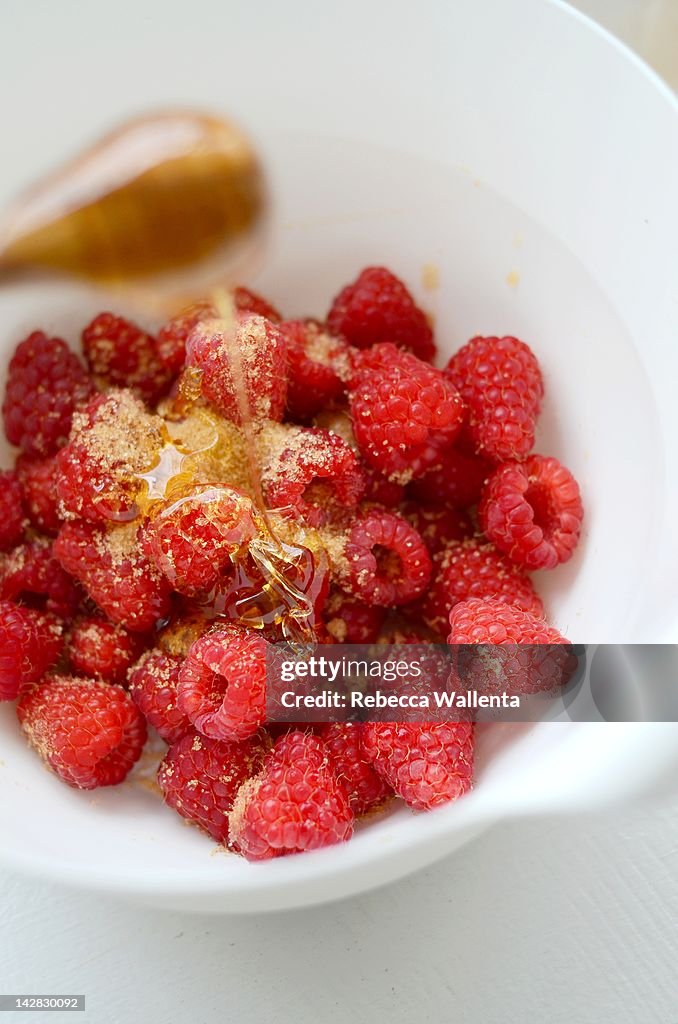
[
  {"x": 473, "y": 569},
  {"x": 501, "y": 383},
  {"x": 11, "y": 511},
  {"x": 102, "y": 650},
  {"x": 222, "y": 684},
  {"x": 388, "y": 560},
  {"x": 437, "y": 526},
  {"x": 115, "y": 573},
  {"x": 29, "y": 644},
  {"x": 260, "y": 346},
  {"x": 364, "y": 788},
  {"x": 295, "y": 803},
  {"x": 113, "y": 441},
  {"x": 426, "y": 765},
  {"x": 405, "y": 413},
  {"x": 377, "y": 307},
  {"x": 88, "y": 732},
  {"x": 350, "y": 621},
  {"x": 313, "y": 472},
  {"x": 32, "y": 575},
  {"x": 530, "y": 657},
  {"x": 120, "y": 354},
  {"x": 200, "y": 778},
  {"x": 153, "y": 683},
  {"x": 247, "y": 301},
  {"x": 38, "y": 478},
  {"x": 532, "y": 510},
  {"x": 315, "y": 361},
  {"x": 457, "y": 480},
  {"x": 489, "y": 621},
  {"x": 172, "y": 337},
  {"x": 45, "y": 384},
  {"x": 191, "y": 540}
]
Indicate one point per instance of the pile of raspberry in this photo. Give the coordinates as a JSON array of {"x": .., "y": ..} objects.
[{"x": 406, "y": 501}]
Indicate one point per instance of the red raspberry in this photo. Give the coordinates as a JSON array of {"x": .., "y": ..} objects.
[
  {"x": 89, "y": 733},
  {"x": 474, "y": 569},
  {"x": 380, "y": 489},
  {"x": 32, "y": 575},
  {"x": 295, "y": 803},
  {"x": 532, "y": 510},
  {"x": 29, "y": 644},
  {"x": 261, "y": 353},
  {"x": 102, "y": 650},
  {"x": 380, "y": 359},
  {"x": 11, "y": 511},
  {"x": 153, "y": 684},
  {"x": 192, "y": 539},
  {"x": 350, "y": 621},
  {"x": 247, "y": 301},
  {"x": 501, "y": 383},
  {"x": 313, "y": 472},
  {"x": 113, "y": 441},
  {"x": 222, "y": 684},
  {"x": 530, "y": 657},
  {"x": 388, "y": 561},
  {"x": 172, "y": 337},
  {"x": 437, "y": 526},
  {"x": 317, "y": 362},
  {"x": 200, "y": 778},
  {"x": 489, "y": 621},
  {"x": 115, "y": 573},
  {"x": 378, "y": 307},
  {"x": 38, "y": 478},
  {"x": 405, "y": 413},
  {"x": 457, "y": 480},
  {"x": 364, "y": 788},
  {"x": 120, "y": 354},
  {"x": 45, "y": 384},
  {"x": 426, "y": 765}
]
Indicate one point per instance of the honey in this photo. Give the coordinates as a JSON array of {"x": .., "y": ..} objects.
[{"x": 165, "y": 205}]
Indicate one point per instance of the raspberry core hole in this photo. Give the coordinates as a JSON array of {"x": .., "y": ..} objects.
[
  {"x": 215, "y": 690},
  {"x": 389, "y": 563},
  {"x": 539, "y": 500}
]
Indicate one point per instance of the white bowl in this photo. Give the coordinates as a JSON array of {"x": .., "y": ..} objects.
[{"x": 532, "y": 161}]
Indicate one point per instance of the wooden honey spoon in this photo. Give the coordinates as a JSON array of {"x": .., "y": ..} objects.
[{"x": 166, "y": 206}]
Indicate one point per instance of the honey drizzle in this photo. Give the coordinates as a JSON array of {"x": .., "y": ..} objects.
[
  {"x": 271, "y": 556},
  {"x": 285, "y": 567}
]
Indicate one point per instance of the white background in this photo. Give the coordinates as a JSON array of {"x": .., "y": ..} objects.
[
  {"x": 565, "y": 922},
  {"x": 571, "y": 921}
]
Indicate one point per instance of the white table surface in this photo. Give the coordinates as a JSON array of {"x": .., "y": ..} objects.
[
  {"x": 566, "y": 921},
  {"x": 559, "y": 921}
]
